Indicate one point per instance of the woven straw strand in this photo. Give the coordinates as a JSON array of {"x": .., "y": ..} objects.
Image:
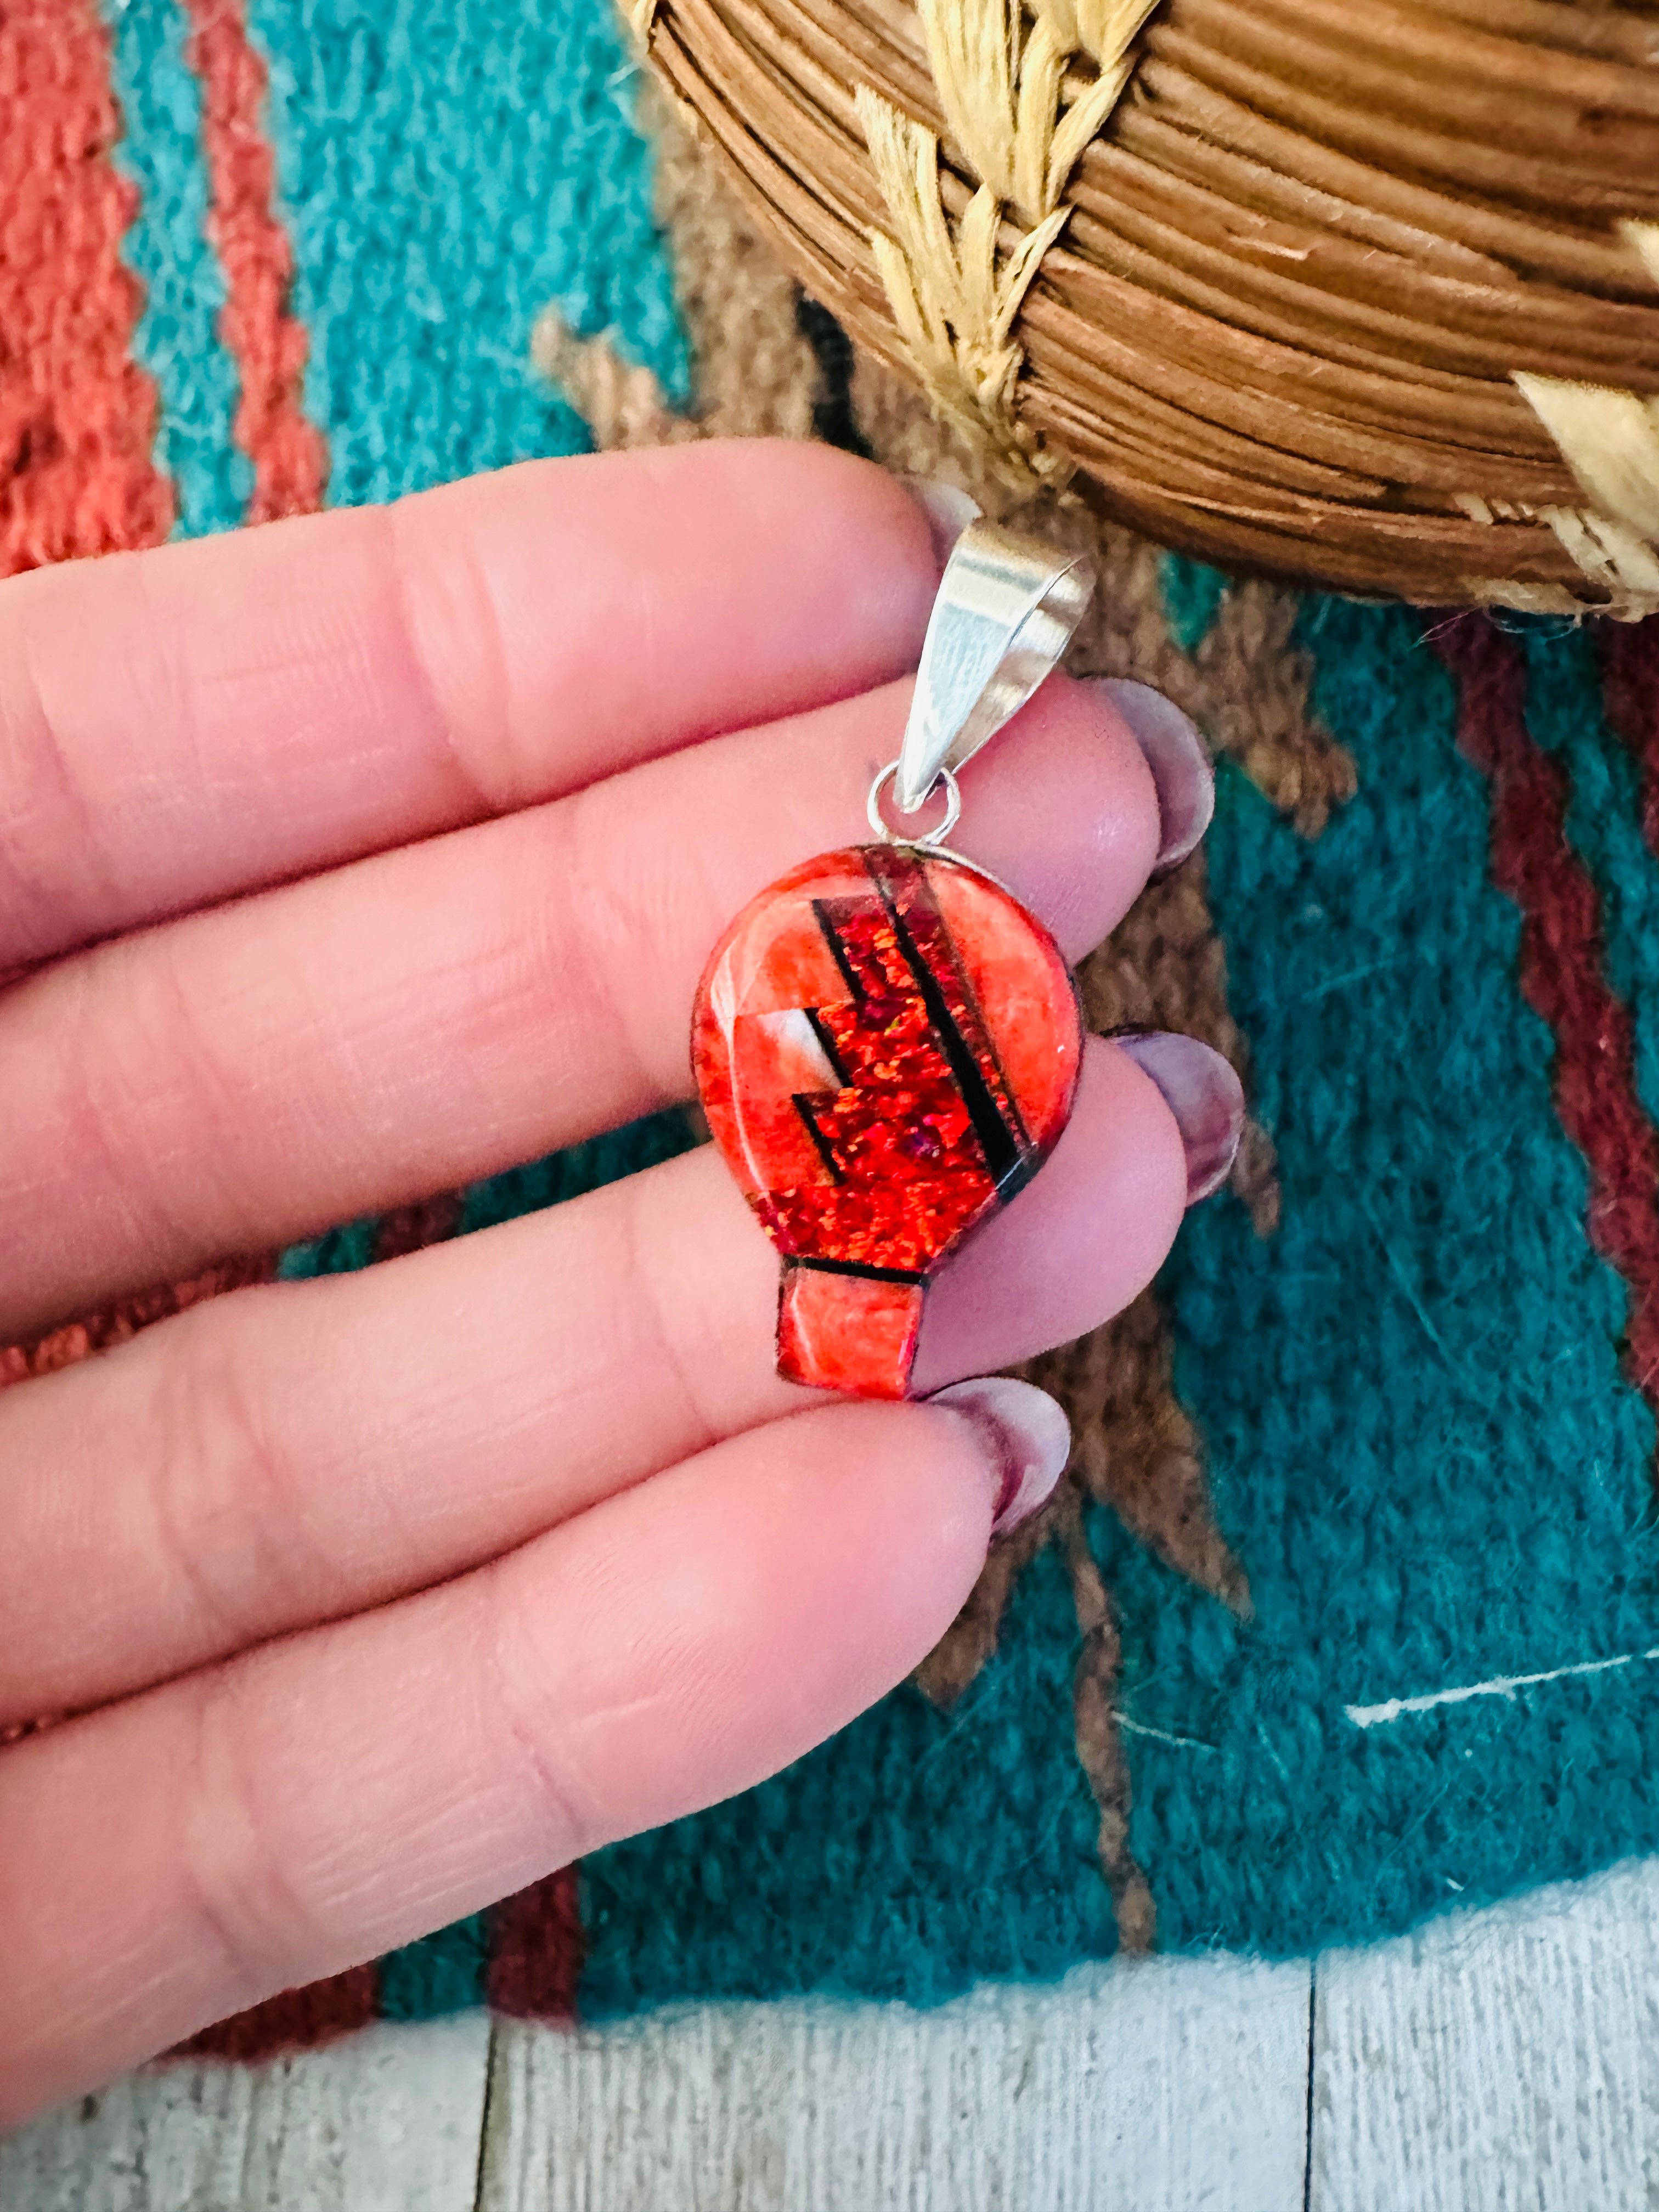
[{"x": 955, "y": 297}]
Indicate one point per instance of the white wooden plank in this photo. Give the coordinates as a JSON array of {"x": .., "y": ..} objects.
[
  {"x": 1128, "y": 2088},
  {"x": 1499, "y": 2061},
  {"x": 385, "y": 2121}
]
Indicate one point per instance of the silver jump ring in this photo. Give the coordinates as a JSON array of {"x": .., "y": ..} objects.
[{"x": 928, "y": 837}]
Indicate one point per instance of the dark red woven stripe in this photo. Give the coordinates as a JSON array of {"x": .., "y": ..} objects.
[
  {"x": 296, "y": 2019},
  {"x": 412, "y": 1227},
  {"x": 536, "y": 1950},
  {"x": 267, "y": 341},
  {"x": 1561, "y": 970},
  {"x": 76, "y": 416},
  {"x": 1630, "y": 672}
]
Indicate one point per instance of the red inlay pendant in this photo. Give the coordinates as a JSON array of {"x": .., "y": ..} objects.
[{"x": 886, "y": 1044}]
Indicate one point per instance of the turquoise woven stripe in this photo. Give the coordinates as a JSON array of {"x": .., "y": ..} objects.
[
  {"x": 446, "y": 168},
  {"x": 569, "y": 1174},
  {"x": 177, "y": 339},
  {"x": 1604, "y": 813},
  {"x": 1193, "y": 592},
  {"x": 582, "y": 1168},
  {"x": 441, "y": 1973},
  {"x": 340, "y": 1252},
  {"x": 1421, "y": 1445}
]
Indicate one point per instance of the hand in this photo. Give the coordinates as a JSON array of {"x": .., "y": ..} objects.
[{"x": 347, "y": 860}]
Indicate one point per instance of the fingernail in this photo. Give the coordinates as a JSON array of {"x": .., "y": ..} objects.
[
  {"x": 1203, "y": 1093},
  {"x": 1175, "y": 754},
  {"x": 948, "y": 508},
  {"x": 1025, "y": 1436}
]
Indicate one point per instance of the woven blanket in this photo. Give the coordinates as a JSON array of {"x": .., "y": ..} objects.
[{"x": 1348, "y": 1608}]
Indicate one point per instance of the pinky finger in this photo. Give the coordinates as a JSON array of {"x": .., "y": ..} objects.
[{"x": 174, "y": 1858}]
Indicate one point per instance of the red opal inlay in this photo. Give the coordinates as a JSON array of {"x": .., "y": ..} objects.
[{"x": 886, "y": 1045}]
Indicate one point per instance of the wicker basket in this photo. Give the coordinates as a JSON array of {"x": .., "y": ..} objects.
[{"x": 1360, "y": 292}]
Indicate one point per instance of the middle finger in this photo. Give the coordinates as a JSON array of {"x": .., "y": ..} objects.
[{"x": 243, "y": 1078}]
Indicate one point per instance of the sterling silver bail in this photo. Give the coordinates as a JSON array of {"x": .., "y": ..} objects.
[{"x": 1007, "y": 608}]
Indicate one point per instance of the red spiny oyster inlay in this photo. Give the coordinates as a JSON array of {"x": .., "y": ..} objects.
[{"x": 886, "y": 1044}]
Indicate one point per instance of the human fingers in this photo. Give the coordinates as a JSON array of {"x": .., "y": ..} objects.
[
  {"x": 291, "y": 1455},
  {"x": 172, "y": 1858},
  {"x": 241, "y": 1078},
  {"x": 277, "y": 701}
]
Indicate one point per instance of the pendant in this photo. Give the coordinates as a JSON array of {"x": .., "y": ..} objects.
[{"x": 886, "y": 1042}]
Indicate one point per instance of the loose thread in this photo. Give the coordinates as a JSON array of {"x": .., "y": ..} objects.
[{"x": 1500, "y": 1686}]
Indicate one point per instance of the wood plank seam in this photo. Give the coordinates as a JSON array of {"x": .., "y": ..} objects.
[
  {"x": 1307, "y": 2145},
  {"x": 492, "y": 2065}
]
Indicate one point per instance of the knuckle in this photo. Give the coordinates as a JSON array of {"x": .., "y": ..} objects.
[
  {"x": 536, "y": 1738},
  {"x": 54, "y": 868},
  {"x": 228, "y": 1503},
  {"x": 454, "y": 644},
  {"x": 248, "y": 1912},
  {"x": 136, "y": 1063}
]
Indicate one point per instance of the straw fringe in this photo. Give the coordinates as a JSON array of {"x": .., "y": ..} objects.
[
  {"x": 1103, "y": 29},
  {"x": 1610, "y": 441},
  {"x": 1021, "y": 129},
  {"x": 1643, "y": 239}
]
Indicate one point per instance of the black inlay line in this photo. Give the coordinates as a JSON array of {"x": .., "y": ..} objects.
[
  {"x": 1009, "y": 1167},
  {"x": 856, "y": 1267},
  {"x": 837, "y": 951},
  {"x": 804, "y": 1107},
  {"x": 827, "y": 1046},
  {"x": 924, "y": 893}
]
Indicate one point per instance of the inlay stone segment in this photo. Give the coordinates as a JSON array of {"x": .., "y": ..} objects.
[{"x": 886, "y": 1044}]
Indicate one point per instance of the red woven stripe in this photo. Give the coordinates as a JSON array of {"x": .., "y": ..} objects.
[
  {"x": 62, "y": 1348},
  {"x": 536, "y": 1950},
  {"x": 1561, "y": 971},
  {"x": 269, "y": 343},
  {"x": 76, "y": 416}
]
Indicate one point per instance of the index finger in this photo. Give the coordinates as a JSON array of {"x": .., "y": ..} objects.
[{"x": 180, "y": 726}]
